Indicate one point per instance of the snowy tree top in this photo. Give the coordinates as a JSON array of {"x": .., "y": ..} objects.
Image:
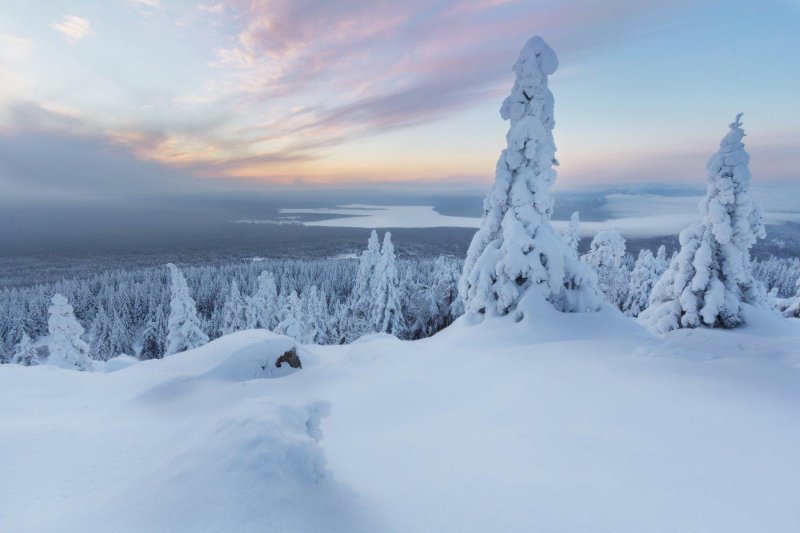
[
  {"x": 535, "y": 60},
  {"x": 59, "y": 300}
]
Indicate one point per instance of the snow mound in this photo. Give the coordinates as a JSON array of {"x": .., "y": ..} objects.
[
  {"x": 271, "y": 356},
  {"x": 119, "y": 362},
  {"x": 192, "y": 442}
]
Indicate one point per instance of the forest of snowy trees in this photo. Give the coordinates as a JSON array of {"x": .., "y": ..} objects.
[{"x": 152, "y": 312}]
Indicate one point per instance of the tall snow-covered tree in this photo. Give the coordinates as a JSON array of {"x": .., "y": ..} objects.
[
  {"x": 387, "y": 315},
  {"x": 26, "y": 353},
  {"x": 793, "y": 308},
  {"x": 606, "y": 256},
  {"x": 155, "y": 335},
  {"x": 361, "y": 296},
  {"x": 234, "y": 311},
  {"x": 67, "y": 348},
  {"x": 572, "y": 235},
  {"x": 263, "y": 305},
  {"x": 445, "y": 292},
  {"x": 710, "y": 279},
  {"x": 315, "y": 315},
  {"x": 184, "y": 331},
  {"x": 516, "y": 253},
  {"x": 661, "y": 259},
  {"x": 644, "y": 276},
  {"x": 111, "y": 335},
  {"x": 292, "y": 323}
]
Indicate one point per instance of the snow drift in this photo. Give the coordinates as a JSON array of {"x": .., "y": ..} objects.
[{"x": 585, "y": 423}]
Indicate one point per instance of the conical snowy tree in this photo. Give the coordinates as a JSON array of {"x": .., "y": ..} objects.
[
  {"x": 234, "y": 311},
  {"x": 361, "y": 298},
  {"x": 793, "y": 309},
  {"x": 262, "y": 306},
  {"x": 26, "y": 353},
  {"x": 644, "y": 276},
  {"x": 291, "y": 323},
  {"x": 315, "y": 315},
  {"x": 710, "y": 279},
  {"x": 155, "y": 333},
  {"x": 387, "y": 315},
  {"x": 67, "y": 348},
  {"x": 572, "y": 235},
  {"x": 661, "y": 259},
  {"x": 110, "y": 335},
  {"x": 606, "y": 256},
  {"x": 184, "y": 326},
  {"x": 516, "y": 254},
  {"x": 445, "y": 292}
]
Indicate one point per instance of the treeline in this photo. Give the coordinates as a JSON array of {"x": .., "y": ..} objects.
[{"x": 326, "y": 301}]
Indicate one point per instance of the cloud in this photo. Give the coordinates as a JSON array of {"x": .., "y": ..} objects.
[
  {"x": 72, "y": 28},
  {"x": 57, "y": 157},
  {"x": 215, "y": 9},
  {"x": 360, "y": 69}
]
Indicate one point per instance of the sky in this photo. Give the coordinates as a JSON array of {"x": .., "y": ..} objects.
[{"x": 122, "y": 97}]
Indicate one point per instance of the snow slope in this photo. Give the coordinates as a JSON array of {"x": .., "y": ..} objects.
[{"x": 581, "y": 422}]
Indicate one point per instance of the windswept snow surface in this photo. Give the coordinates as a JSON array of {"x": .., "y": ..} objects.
[{"x": 574, "y": 422}]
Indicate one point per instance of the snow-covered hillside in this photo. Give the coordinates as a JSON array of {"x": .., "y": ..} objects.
[{"x": 584, "y": 422}]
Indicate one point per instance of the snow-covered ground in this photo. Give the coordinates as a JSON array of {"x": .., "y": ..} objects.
[{"x": 581, "y": 422}]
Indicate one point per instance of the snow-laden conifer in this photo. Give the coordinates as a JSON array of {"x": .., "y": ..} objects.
[
  {"x": 26, "y": 353},
  {"x": 644, "y": 276},
  {"x": 67, "y": 348},
  {"x": 155, "y": 333},
  {"x": 184, "y": 326},
  {"x": 361, "y": 298},
  {"x": 234, "y": 311},
  {"x": 606, "y": 256},
  {"x": 263, "y": 306},
  {"x": 387, "y": 315},
  {"x": 292, "y": 323},
  {"x": 445, "y": 292},
  {"x": 793, "y": 308},
  {"x": 572, "y": 235},
  {"x": 516, "y": 252},
  {"x": 662, "y": 262},
  {"x": 315, "y": 314},
  {"x": 710, "y": 279}
]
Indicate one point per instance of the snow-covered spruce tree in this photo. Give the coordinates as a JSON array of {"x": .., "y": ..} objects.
[
  {"x": 572, "y": 235},
  {"x": 67, "y": 348},
  {"x": 154, "y": 336},
  {"x": 445, "y": 292},
  {"x": 387, "y": 314},
  {"x": 516, "y": 254},
  {"x": 26, "y": 353},
  {"x": 361, "y": 296},
  {"x": 184, "y": 331},
  {"x": 793, "y": 308},
  {"x": 661, "y": 259},
  {"x": 234, "y": 311},
  {"x": 291, "y": 323},
  {"x": 110, "y": 335},
  {"x": 606, "y": 256},
  {"x": 262, "y": 306},
  {"x": 710, "y": 279},
  {"x": 315, "y": 316},
  {"x": 642, "y": 279}
]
